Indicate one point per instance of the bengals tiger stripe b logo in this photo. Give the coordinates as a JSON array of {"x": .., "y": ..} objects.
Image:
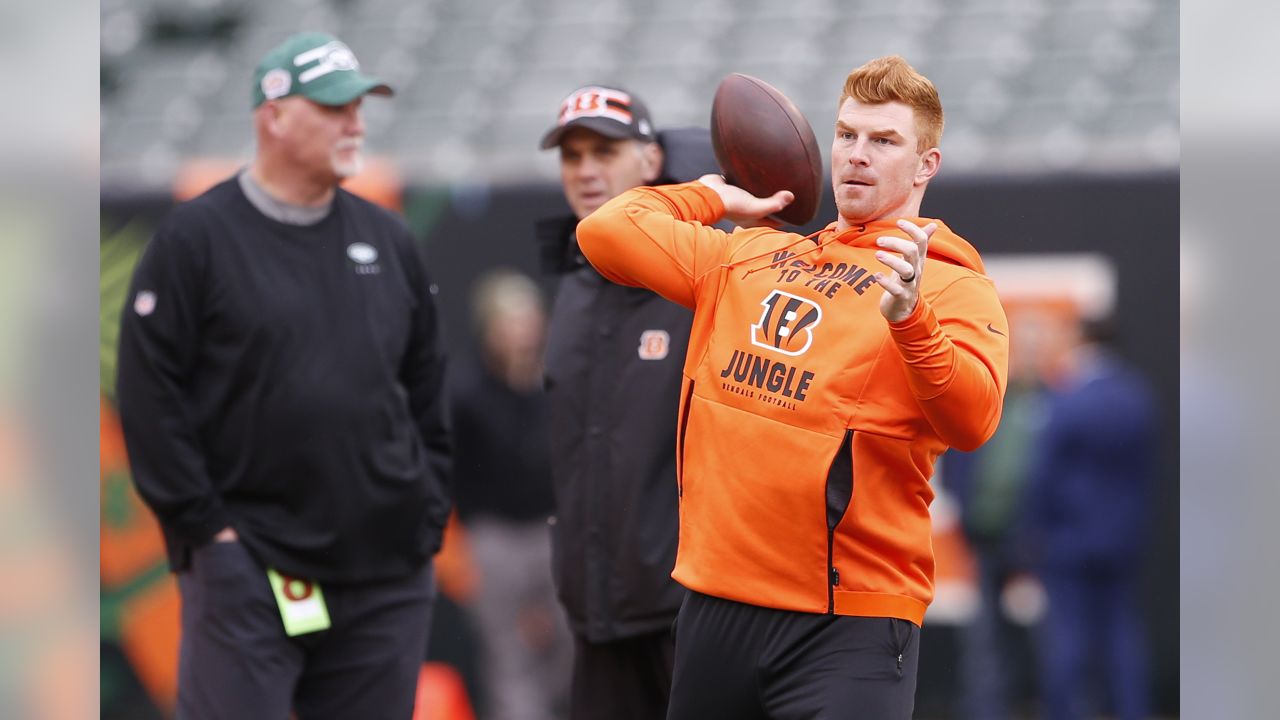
[
  {"x": 786, "y": 324},
  {"x": 596, "y": 102}
]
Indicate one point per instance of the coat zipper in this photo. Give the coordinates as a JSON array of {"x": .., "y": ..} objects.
[
  {"x": 833, "y": 576},
  {"x": 838, "y": 502},
  {"x": 684, "y": 428},
  {"x": 901, "y": 645}
]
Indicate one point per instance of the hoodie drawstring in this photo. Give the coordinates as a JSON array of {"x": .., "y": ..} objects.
[{"x": 773, "y": 252}]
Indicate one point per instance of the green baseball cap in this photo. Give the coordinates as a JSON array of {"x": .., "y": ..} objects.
[{"x": 317, "y": 66}]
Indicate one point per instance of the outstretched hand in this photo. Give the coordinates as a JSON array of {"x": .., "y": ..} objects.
[
  {"x": 744, "y": 209},
  {"x": 902, "y": 286}
]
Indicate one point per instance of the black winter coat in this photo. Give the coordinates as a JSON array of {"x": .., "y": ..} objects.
[
  {"x": 613, "y": 438},
  {"x": 613, "y": 370}
]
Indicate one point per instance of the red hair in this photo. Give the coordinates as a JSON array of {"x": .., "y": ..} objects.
[{"x": 890, "y": 79}]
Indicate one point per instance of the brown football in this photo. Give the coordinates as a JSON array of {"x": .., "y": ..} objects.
[{"x": 764, "y": 144}]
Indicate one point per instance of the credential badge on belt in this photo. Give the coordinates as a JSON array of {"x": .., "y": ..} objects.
[{"x": 301, "y": 604}]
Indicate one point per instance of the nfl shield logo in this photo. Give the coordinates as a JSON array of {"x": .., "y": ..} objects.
[{"x": 145, "y": 303}]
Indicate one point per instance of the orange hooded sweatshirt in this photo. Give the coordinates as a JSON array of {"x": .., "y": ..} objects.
[{"x": 809, "y": 424}]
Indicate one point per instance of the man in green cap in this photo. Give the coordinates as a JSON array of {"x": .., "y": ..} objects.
[
  {"x": 280, "y": 392},
  {"x": 306, "y": 97}
]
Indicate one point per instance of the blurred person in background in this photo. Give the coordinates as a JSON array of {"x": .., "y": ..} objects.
[
  {"x": 503, "y": 496},
  {"x": 280, "y": 389},
  {"x": 1088, "y": 511},
  {"x": 989, "y": 484},
  {"x": 47, "y": 664},
  {"x": 1217, "y": 408},
  {"x": 813, "y": 411},
  {"x": 613, "y": 371}
]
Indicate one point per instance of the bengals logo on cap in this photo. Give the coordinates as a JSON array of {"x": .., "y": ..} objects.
[
  {"x": 596, "y": 102},
  {"x": 786, "y": 324}
]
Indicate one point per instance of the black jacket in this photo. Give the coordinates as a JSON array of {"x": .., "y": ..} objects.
[
  {"x": 614, "y": 361},
  {"x": 286, "y": 381}
]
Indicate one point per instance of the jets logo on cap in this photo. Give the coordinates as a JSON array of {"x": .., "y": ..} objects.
[{"x": 332, "y": 57}]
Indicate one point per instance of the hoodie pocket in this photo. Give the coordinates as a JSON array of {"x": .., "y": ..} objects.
[{"x": 901, "y": 633}]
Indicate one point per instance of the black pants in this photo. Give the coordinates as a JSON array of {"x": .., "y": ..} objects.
[
  {"x": 627, "y": 679},
  {"x": 236, "y": 662},
  {"x": 752, "y": 663}
]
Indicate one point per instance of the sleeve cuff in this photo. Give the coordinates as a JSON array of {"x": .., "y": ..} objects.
[
  {"x": 916, "y": 320},
  {"x": 714, "y": 206},
  {"x": 202, "y": 531}
]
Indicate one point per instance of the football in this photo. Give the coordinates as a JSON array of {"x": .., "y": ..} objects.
[{"x": 764, "y": 144}]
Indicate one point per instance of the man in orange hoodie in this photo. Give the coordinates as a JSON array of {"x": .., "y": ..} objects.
[{"x": 824, "y": 376}]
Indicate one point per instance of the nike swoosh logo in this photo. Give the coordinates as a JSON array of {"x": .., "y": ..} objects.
[{"x": 995, "y": 330}]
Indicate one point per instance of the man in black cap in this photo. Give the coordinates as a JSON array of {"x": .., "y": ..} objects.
[
  {"x": 280, "y": 392},
  {"x": 613, "y": 369}
]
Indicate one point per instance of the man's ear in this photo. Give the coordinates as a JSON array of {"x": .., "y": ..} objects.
[
  {"x": 930, "y": 162},
  {"x": 269, "y": 117},
  {"x": 653, "y": 157}
]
